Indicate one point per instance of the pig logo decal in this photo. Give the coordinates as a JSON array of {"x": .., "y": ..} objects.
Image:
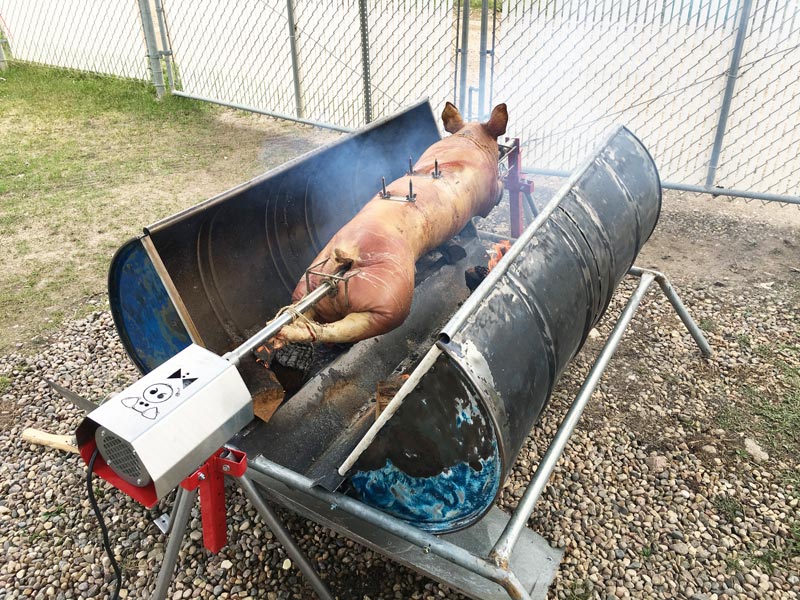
[
  {"x": 158, "y": 393},
  {"x": 153, "y": 395}
]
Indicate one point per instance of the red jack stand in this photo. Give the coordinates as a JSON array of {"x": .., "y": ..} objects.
[
  {"x": 210, "y": 479},
  {"x": 517, "y": 186},
  {"x": 209, "y": 482}
]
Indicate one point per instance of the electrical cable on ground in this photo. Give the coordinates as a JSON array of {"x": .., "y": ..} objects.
[{"x": 103, "y": 528}]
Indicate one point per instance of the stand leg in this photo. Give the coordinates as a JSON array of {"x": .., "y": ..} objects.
[
  {"x": 285, "y": 538},
  {"x": 178, "y": 522},
  {"x": 677, "y": 304}
]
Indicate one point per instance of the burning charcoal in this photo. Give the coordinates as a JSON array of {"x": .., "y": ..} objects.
[
  {"x": 474, "y": 276},
  {"x": 499, "y": 251},
  {"x": 292, "y": 365},
  {"x": 295, "y": 356}
]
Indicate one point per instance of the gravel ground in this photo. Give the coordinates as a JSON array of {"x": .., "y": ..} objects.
[{"x": 680, "y": 481}]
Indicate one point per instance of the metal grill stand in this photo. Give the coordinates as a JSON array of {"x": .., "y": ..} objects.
[{"x": 498, "y": 557}]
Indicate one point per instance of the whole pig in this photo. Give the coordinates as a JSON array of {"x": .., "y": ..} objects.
[{"x": 382, "y": 243}]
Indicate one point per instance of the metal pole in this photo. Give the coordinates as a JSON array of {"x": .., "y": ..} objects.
[
  {"x": 166, "y": 51},
  {"x": 482, "y": 60},
  {"x": 259, "y": 111},
  {"x": 298, "y": 97},
  {"x": 282, "y": 320},
  {"x": 285, "y": 538},
  {"x": 513, "y": 185},
  {"x": 462, "y": 95},
  {"x": 152, "y": 47},
  {"x": 364, "y": 26},
  {"x": 677, "y": 304},
  {"x": 505, "y": 543},
  {"x": 178, "y": 526},
  {"x": 3, "y": 63},
  {"x": 733, "y": 71},
  {"x": 492, "y": 51},
  {"x": 260, "y": 466},
  {"x": 671, "y": 185}
]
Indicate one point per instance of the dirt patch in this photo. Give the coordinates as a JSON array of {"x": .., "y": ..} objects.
[
  {"x": 80, "y": 185},
  {"x": 730, "y": 243}
]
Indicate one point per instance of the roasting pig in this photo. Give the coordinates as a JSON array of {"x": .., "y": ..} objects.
[{"x": 381, "y": 244}]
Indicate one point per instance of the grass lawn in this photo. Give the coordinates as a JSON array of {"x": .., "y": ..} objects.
[{"x": 87, "y": 161}]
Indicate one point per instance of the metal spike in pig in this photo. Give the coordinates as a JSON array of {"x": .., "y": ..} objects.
[{"x": 454, "y": 180}]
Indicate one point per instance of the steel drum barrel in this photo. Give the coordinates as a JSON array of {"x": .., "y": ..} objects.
[
  {"x": 214, "y": 273},
  {"x": 439, "y": 462}
]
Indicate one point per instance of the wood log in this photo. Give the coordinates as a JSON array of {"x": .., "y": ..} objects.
[{"x": 51, "y": 440}]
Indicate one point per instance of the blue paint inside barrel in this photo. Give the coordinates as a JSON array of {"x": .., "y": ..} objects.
[
  {"x": 441, "y": 484},
  {"x": 148, "y": 324},
  {"x": 440, "y": 503}
]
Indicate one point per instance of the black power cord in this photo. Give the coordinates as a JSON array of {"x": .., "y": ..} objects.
[{"x": 103, "y": 528}]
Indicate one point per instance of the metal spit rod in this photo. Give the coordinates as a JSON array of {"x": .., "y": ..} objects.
[{"x": 325, "y": 287}]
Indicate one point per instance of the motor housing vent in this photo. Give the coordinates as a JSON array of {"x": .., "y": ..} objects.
[{"x": 121, "y": 456}]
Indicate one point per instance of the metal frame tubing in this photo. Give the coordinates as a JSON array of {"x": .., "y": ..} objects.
[
  {"x": 285, "y": 538},
  {"x": 167, "y": 49},
  {"x": 514, "y": 188},
  {"x": 482, "y": 60},
  {"x": 363, "y": 14},
  {"x": 683, "y": 187},
  {"x": 505, "y": 544},
  {"x": 180, "y": 517},
  {"x": 496, "y": 566},
  {"x": 152, "y": 47},
  {"x": 679, "y": 307},
  {"x": 462, "y": 95},
  {"x": 730, "y": 85},
  {"x": 269, "y": 113},
  {"x": 259, "y": 466},
  {"x": 174, "y": 512},
  {"x": 298, "y": 97},
  {"x": 281, "y": 321}
]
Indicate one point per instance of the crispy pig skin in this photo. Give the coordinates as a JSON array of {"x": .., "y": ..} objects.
[{"x": 385, "y": 239}]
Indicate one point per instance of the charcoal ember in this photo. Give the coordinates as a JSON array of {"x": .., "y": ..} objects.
[
  {"x": 292, "y": 365},
  {"x": 295, "y": 356},
  {"x": 474, "y": 276},
  {"x": 452, "y": 252}
]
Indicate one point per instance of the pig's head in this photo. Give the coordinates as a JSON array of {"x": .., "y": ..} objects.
[{"x": 486, "y": 133}]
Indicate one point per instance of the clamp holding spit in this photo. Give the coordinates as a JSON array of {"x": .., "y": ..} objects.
[{"x": 332, "y": 280}]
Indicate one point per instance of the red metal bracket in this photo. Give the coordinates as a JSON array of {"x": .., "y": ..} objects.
[
  {"x": 210, "y": 478},
  {"x": 514, "y": 187}
]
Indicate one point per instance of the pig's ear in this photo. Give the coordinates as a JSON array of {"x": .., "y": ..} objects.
[
  {"x": 498, "y": 121},
  {"x": 451, "y": 118}
]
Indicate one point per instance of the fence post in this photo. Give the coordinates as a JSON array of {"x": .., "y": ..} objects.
[
  {"x": 462, "y": 95},
  {"x": 730, "y": 85},
  {"x": 364, "y": 25},
  {"x": 298, "y": 97},
  {"x": 166, "y": 52},
  {"x": 3, "y": 63},
  {"x": 482, "y": 63},
  {"x": 152, "y": 47}
]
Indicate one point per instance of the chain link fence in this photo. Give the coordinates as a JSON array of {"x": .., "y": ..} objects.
[
  {"x": 712, "y": 87},
  {"x": 96, "y": 36},
  {"x": 336, "y": 63}
]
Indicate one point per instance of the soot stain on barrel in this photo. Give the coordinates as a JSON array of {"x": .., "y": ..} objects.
[{"x": 438, "y": 427}]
